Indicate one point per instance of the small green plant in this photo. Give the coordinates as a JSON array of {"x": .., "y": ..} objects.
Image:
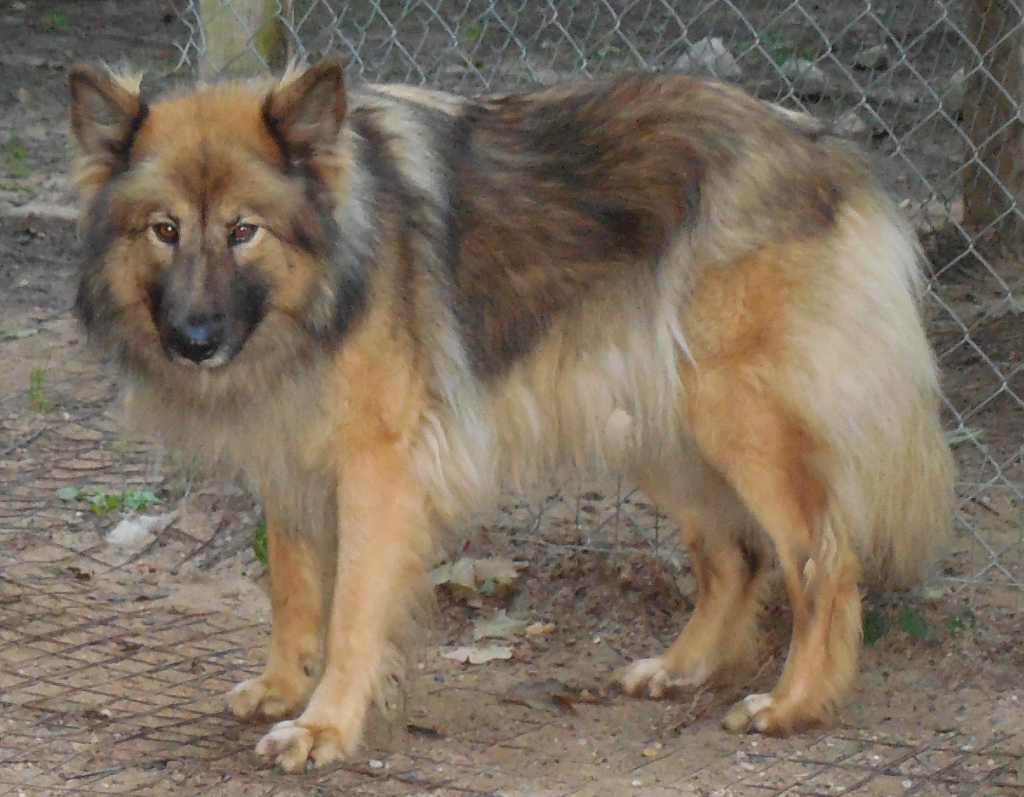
[
  {"x": 780, "y": 48},
  {"x": 879, "y": 622},
  {"x": 967, "y": 433},
  {"x": 472, "y": 33},
  {"x": 259, "y": 542},
  {"x": 16, "y": 157},
  {"x": 875, "y": 626},
  {"x": 37, "y": 400},
  {"x": 607, "y": 50},
  {"x": 13, "y": 333},
  {"x": 56, "y": 20},
  {"x": 103, "y": 502},
  {"x": 138, "y": 500},
  {"x": 912, "y": 622},
  {"x": 957, "y": 623}
]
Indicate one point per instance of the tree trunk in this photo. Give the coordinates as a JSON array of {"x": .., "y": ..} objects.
[
  {"x": 994, "y": 172},
  {"x": 241, "y": 36}
]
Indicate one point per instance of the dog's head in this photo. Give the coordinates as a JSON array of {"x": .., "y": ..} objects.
[{"x": 208, "y": 216}]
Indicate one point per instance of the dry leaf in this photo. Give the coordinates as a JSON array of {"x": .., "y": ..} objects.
[
  {"x": 477, "y": 575},
  {"x": 471, "y": 655},
  {"x": 498, "y": 626},
  {"x": 441, "y": 574},
  {"x": 463, "y": 573},
  {"x": 498, "y": 569},
  {"x": 543, "y": 696},
  {"x": 136, "y": 532}
]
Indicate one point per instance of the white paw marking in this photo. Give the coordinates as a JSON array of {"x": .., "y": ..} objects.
[
  {"x": 757, "y": 703},
  {"x": 651, "y": 673},
  {"x": 747, "y": 714},
  {"x": 643, "y": 671},
  {"x": 245, "y": 698},
  {"x": 286, "y": 744}
]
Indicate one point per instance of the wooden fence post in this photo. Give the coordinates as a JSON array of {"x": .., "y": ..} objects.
[{"x": 994, "y": 172}]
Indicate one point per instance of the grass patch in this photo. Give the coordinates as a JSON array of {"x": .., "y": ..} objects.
[
  {"x": 259, "y": 542},
  {"x": 912, "y": 622},
  {"x": 781, "y": 49},
  {"x": 15, "y": 155},
  {"x": 56, "y": 21},
  {"x": 875, "y": 625},
  {"x": 37, "y": 399}
]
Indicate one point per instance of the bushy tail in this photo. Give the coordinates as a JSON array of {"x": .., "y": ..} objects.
[
  {"x": 879, "y": 397},
  {"x": 913, "y": 506}
]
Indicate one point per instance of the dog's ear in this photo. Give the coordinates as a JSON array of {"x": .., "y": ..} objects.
[
  {"x": 106, "y": 112},
  {"x": 305, "y": 114}
]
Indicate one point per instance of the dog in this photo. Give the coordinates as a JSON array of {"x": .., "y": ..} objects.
[{"x": 384, "y": 304}]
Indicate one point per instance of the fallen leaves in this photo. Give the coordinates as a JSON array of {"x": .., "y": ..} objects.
[
  {"x": 467, "y": 575},
  {"x": 471, "y": 579},
  {"x": 539, "y": 629}
]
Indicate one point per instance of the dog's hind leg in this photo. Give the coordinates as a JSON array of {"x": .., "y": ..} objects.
[
  {"x": 780, "y": 470},
  {"x": 730, "y": 562},
  {"x": 296, "y": 597}
]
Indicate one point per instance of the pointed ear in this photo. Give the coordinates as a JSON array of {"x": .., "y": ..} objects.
[
  {"x": 305, "y": 115},
  {"x": 106, "y": 112}
]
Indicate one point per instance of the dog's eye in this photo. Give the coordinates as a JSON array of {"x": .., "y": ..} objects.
[
  {"x": 241, "y": 233},
  {"x": 166, "y": 232}
]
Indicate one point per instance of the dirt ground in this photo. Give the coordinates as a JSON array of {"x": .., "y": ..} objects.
[{"x": 114, "y": 660}]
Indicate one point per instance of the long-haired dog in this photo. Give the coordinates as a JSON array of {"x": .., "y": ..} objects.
[{"x": 384, "y": 306}]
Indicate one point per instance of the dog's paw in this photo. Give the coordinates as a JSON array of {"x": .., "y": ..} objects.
[
  {"x": 291, "y": 745},
  {"x": 774, "y": 716},
  {"x": 753, "y": 714},
  {"x": 287, "y": 745},
  {"x": 652, "y": 677},
  {"x": 264, "y": 697}
]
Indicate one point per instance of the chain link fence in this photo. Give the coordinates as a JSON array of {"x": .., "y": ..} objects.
[{"x": 929, "y": 86}]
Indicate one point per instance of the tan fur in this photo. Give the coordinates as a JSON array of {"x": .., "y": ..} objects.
[{"x": 720, "y": 303}]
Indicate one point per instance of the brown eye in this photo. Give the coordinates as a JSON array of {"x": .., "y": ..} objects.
[
  {"x": 166, "y": 232},
  {"x": 241, "y": 233}
]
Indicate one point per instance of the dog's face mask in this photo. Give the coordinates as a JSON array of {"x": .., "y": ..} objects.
[{"x": 207, "y": 215}]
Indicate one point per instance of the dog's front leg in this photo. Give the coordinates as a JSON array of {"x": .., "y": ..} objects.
[
  {"x": 384, "y": 537},
  {"x": 296, "y": 595}
]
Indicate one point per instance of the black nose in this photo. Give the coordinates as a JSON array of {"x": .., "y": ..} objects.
[{"x": 198, "y": 339}]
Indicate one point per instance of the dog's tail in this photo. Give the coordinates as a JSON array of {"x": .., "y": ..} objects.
[
  {"x": 892, "y": 482},
  {"x": 909, "y": 489}
]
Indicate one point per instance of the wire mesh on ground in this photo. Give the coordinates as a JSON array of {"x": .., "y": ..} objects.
[
  {"x": 900, "y": 77},
  {"x": 113, "y": 662}
]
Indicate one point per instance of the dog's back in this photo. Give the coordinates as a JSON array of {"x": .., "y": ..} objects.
[{"x": 594, "y": 222}]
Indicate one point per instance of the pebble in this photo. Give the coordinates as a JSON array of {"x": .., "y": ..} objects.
[
  {"x": 872, "y": 58},
  {"x": 805, "y": 76},
  {"x": 709, "y": 57}
]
